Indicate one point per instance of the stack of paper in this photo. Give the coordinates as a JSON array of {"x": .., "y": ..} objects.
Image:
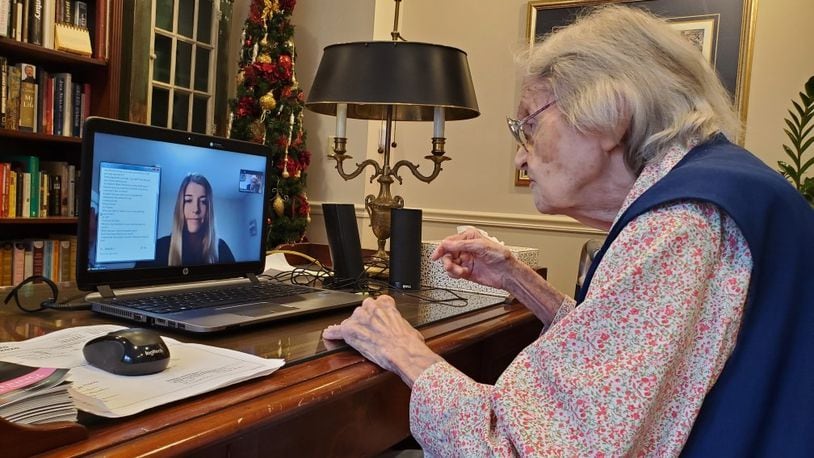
[
  {"x": 33, "y": 395},
  {"x": 193, "y": 369}
]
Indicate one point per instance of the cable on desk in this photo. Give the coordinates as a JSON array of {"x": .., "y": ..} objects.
[{"x": 51, "y": 303}]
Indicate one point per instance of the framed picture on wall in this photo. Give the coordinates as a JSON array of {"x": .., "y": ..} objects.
[{"x": 722, "y": 30}]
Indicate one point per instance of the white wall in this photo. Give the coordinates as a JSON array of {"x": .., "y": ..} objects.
[{"x": 476, "y": 187}]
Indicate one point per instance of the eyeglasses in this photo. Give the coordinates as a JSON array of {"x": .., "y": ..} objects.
[{"x": 517, "y": 127}]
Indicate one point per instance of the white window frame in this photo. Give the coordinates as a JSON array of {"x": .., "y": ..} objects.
[{"x": 171, "y": 87}]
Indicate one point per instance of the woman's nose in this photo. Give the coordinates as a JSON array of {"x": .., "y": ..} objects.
[{"x": 520, "y": 157}]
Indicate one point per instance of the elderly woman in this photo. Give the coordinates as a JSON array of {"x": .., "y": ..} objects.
[{"x": 694, "y": 329}]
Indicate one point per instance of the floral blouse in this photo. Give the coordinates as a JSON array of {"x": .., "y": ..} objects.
[{"x": 624, "y": 373}]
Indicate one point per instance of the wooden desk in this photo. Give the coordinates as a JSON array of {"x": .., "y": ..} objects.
[{"x": 324, "y": 402}]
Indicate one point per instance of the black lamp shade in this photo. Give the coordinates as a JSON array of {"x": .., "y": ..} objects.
[{"x": 412, "y": 77}]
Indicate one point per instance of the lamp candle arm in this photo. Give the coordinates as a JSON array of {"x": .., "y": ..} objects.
[
  {"x": 437, "y": 157},
  {"x": 339, "y": 155}
]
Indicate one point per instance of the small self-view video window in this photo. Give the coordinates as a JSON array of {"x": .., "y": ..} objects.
[{"x": 251, "y": 181}]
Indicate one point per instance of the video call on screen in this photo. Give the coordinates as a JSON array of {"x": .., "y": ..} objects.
[{"x": 134, "y": 190}]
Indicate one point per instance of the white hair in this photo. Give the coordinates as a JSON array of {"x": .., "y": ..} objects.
[{"x": 620, "y": 62}]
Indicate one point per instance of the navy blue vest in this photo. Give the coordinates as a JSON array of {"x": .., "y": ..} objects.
[{"x": 763, "y": 402}]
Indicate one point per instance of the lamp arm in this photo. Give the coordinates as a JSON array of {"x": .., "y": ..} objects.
[
  {"x": 436, "y": 169},
  {"x": 360, "y": 166},
  {"x": 339, "y": 156}
]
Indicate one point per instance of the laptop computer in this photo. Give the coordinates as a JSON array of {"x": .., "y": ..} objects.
[{"x": 165, "y": 212}]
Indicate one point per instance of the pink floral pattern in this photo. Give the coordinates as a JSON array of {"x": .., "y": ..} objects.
[{"x": 624, "y": 373}]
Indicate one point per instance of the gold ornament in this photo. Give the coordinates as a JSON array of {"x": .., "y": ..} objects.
[
  {"x": 298, "y": 174},
  {"x": 285, "y": 166},
  {"x": 265, "y": 41},
  {"x": 264, "y": 58},
  {"x": 279, "y": 204},
  {"x": 240, "y": 78},
  {"x": 267, "y": 102},
  {"x": 258, "y": 130}
]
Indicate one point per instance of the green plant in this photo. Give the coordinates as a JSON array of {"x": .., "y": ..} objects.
[{"x": 799, "y": 131}]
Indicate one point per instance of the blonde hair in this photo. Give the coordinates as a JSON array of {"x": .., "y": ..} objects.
[
  {"x": 210, "y": 240},
  {"x": 621, "y": 62}
]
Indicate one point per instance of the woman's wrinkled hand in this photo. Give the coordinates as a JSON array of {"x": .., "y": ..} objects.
[
  {"x": 378, "y": 331},
  {"x": 475, "y": 257}
]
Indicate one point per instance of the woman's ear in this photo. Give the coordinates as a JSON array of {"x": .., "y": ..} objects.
[{"x": 614, "y": 138}]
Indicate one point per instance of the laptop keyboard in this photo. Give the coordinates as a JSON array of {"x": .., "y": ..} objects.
[{"x": 213, "y": 297}]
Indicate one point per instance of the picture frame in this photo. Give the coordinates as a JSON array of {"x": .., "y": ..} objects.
[{"x": 724, "y": 30}]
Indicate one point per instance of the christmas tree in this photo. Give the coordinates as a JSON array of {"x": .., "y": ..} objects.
[{"x": 268, "y": 110}]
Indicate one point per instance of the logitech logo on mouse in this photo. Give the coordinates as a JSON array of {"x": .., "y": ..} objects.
[{"x": 155, "y": 351}]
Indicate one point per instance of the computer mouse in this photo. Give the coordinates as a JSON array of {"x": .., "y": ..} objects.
[{"x": 135, "y": 351}]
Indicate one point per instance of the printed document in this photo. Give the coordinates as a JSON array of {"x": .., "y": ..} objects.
[{"x": 194, "y": 369}]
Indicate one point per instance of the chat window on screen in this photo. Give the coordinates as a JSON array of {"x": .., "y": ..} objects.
[{"x": 128, "y": 212}]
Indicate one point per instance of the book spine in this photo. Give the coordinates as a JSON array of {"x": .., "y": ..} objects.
[
  {"x": 85, "y": 107},
  {"x": 48, "y": 24},
  {"x": 43, "y": 193},
  {"x": 19, "y": 10},
  {"x": 26, "y": 200},
  {"x": 3, "y": 89},
  {"x": 6, "y": 263},
  {"x": 13, "y": 102},
  {"x": 72, "y": 276},
  {"x": 18, "y": 269},
  {"x": 20, "y": 186},
  {"x": 5, "y": 18},
  {"x": 24, "y": 20},
  {"x": 76, "y": 108},
  {"x": 64, "y": 260},
  {"x": 48, "y": 104},
  {"x": 80, "y": 15},
  {"x": 12, "y": 194},
  {"x": 46, "y": 259},
  {"x": 67, "y": 12},
  {"x": 37, "y": 256},
  {"x": 59, "y": 102},
  {"x": 28, "y": 267},
  {"x": 35, "y": 22},
  {"x": 3, "y": 191},
  {"x": 28, "y": 97},
  {"x": 67, "y": 114},
  {"x": 71, "y": 190},
  {"x": 55, "y": 196},
  {"x": 35, "y": 192}
]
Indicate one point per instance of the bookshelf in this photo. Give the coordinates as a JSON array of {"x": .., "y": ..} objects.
[{"x": 101, "y": 72}]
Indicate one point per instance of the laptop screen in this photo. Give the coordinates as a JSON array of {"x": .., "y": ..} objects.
[{"x": 162, "y": 206}]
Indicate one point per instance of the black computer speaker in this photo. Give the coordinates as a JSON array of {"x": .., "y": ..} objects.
[
  {"x": 343, "y": 240},
  {"x": 405, "y": 248}
]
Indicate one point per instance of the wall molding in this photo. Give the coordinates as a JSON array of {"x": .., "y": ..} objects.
[{"x": 552, "y": 223}]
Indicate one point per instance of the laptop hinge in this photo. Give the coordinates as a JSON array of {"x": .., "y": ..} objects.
[
  {"x": 105, "y": 291},
  {"x": 252, "y": 278}
]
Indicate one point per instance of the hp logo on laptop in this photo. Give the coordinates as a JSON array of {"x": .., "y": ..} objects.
[{"x": 185, "y": 271}]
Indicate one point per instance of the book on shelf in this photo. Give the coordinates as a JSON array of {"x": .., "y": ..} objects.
[
  {"x": 3, "y": 89},
  {"x": 28, "y": 98},
  {"x": 34, "y": 395},
  {"x": 6, "y": 263},
  {"x": 13, "y": 98},
  {"x": 5, "y": 18},
  {"x": 35, "y": 22},
  {"x": 19, "y": 12}
]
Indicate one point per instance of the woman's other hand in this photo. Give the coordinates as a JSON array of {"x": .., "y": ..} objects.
[
  {"x": 475, "y": 257},
  {"x": 378, "y": 331}
]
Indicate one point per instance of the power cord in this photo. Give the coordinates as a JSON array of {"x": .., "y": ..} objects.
[{"x": 51, "y": 303}]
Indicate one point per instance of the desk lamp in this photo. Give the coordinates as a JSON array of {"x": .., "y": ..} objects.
[{"x": 391, "y": 81}]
